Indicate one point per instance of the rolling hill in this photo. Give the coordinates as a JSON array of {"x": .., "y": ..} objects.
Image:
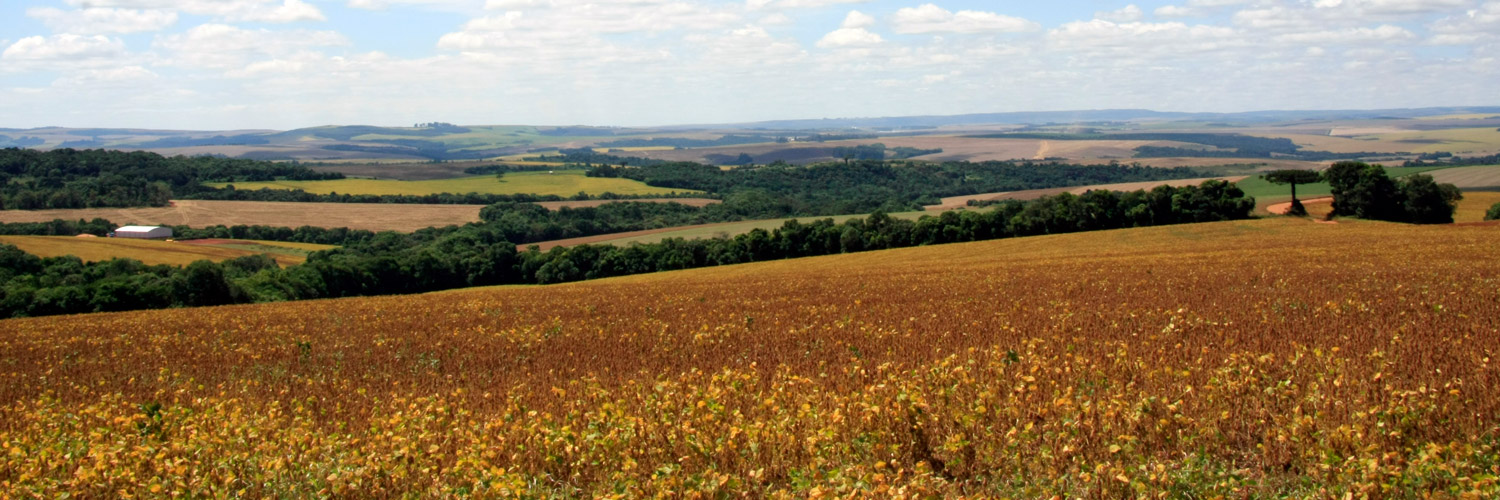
[{"x": 1222, "y": 359}]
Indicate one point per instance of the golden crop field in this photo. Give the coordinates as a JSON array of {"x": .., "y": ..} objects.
[
  {"x": 153, "y": 252},
  {"x": 1256, "y": 359},
  {"x": 1474, "y": 205},
  {"x": 560, "y": 183}
]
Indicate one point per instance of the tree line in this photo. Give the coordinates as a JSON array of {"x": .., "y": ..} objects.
[
  {"x": 867, "y": 186},
  {"x": 1448, "y": 160},
  {"x": 1365, "y": 191},
  {"x": 70, "y": 178},
  {"x": 480, "y": 254}
]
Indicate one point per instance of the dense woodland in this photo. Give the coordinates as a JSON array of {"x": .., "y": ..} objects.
[
  {"x": 481, "y": 254},
  {"x": 66, "y": 178},
  {"x": 867, "y": 186},
  {"x": 1448, "y": 160},
  {"x": 1365, "y": 191},
  {"x": 69, "y": 178},
  {"x": 587, "y": 157}
]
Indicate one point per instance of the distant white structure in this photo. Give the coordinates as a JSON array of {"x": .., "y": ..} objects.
[{"x": 147, "y": 232}]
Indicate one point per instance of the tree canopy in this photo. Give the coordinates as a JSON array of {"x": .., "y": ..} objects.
[
  {"x": 1365, "y": 191},
  {"x": 1294, "y": 177}
]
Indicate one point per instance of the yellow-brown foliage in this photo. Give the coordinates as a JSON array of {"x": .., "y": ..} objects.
[{"x": 1230, "y": 360}]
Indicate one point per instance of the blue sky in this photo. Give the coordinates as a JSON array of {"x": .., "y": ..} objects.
[{"x": 233, "y": 64}]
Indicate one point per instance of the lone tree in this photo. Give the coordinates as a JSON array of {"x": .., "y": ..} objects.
[{"x": 1294, "y": 177}]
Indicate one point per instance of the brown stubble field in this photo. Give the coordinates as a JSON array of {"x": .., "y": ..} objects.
[
  {"x": 1241, "y": 359},
  {"x": 956, "y": 202},
  {"x": 405, "y": 217},
  {"x": 202, "y": 213}
]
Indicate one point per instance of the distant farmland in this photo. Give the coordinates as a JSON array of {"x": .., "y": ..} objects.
[
  {"x": 204, "y": 213},
  {"x": 152, "y": 252},
  {"x": 370, "y": 216},
  {"x": 559, "y": 183},
  {"x": 1470, "y": 177}
]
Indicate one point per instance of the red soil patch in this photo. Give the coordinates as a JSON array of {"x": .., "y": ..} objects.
[{"x": 1283, "y": 208}]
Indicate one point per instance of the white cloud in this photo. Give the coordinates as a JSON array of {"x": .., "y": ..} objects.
[
  {"x": 857, "y": 19},
  {"x": 220, "y": 46},
  {"x": 513, "y": 4},
  {"x": 747, "y": 47},
  {"x": 850, "y": 37},
  {"x": 1475, "y": 26},
  {"x": 64, "y": 47},
  {"x": 795, "y": 4},
  {"x": 929, "y": 18},
  {"x": 463, "y": 6},
  {"x": 776, "y": 19},
  {"x": 274, "y": 67},
  {"x": 1277, "y": 18},
  {"x": 1174, "y": 11},
  {"x": 112, "y": 77},
  {"x": 368, "y": 4},
  {"x": 1384, "y": 33},
  {"x": 103, "y": 20},
  {"x": 1126, "y": 14},
  {"x": 622, "y": 62},
  {"x": 1392, "y": 6},
  {"x": 269, "y": 11},
  {"x": 588, "y": 17}
]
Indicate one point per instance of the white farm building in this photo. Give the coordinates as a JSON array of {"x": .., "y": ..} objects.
[{"x": 147, "y": 232}]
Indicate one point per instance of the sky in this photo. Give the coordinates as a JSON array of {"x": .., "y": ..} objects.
[{"x": 283, "y": 64}]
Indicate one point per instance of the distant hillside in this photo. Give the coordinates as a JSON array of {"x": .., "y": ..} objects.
[
  {"x": 438, "y": 141},
  {"x": 1062, "y": 117}
]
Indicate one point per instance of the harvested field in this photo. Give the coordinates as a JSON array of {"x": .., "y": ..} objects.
[
  {"x": 719, "y": 230},
  {"x": 954, "y": 202},
  {"x": 204, "y": 213},
  {"x": 370, "y": 216},
  {"x": 559, "y": 183},
  {"x": 627, "y": 236},
  {"x": 1316, "y": 208},
  {"x": 1469, "y": 178},
  {"x": 1466, "y": 141},
  {"x": 692, "y": 202},
  {"x": 1465, "y": 116},
  {"x": 957, "y": 202},
  {"x": 954, "y": 148},
  {"x": 1474, "y": 205},
  {"x": 151, "y": 252},
  {"x": 1232, "y": 360},
  {"x": 405, "y": 171},
  {"x": 1340, "y": 144}
]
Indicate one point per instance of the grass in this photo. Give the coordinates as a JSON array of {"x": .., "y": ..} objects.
[
  {"x": 153, "y": 252},
  {"x": 1266, "y": 192},
  {"x": 559, "y": 183}
]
